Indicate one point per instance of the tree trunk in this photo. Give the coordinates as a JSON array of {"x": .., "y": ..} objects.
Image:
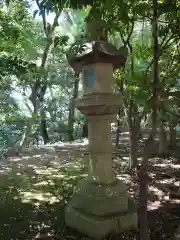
[
  {"x": 121, "y": 89},
  {"x": 23, "y": 141},
  {"x": 85, "y": 129},
  {"x": 143, "y": 172},
  {"x": 70, "y": 123},
  {"x": 43, "y": 127},
  {"x": 134, "y": 128},
  {"x": 162, "y": 140},
  {"x": 39, "y": 89},
  {"x": 172, "y": 133},
  {"x": 118, "y": 128},
  {"x": 143, "y": 199},
  {"x": 28, "y": 129},
  {"x": 44, "y": 132},
  {"x": 72, "y": 109},
  {"x": 78, "y": 129},
  {"x": 133, "y": 148},
  {"x": 25, "y": 137},
  {"x": 162, "y": 133}
]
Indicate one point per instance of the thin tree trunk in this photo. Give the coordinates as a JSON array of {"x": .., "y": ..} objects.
[
  {"x": 134, "y": 128},
  {"x": 121, "y": 89},
  {"x": 44, "y": 132},
  {"x": 43, "y": 127},
  {"x": 143, "y": 170},
  {"x": 28, "y": 129},
  {"x": 23, "y": 139},
  {"x": 133, "y": 148},
  {"x": 39, "y": 89},
  {"x": 118, "y": 128},
  {"x": 72, "y": 109},
  {"x": 162, "y": 140},
  {"x": 162, "y": 134},
  {"x": 77, "y": 130},
  {"x": 26, "y": 135},
  {"x": 172, "y": 133},
  {"x": 85, "y": 129},
  {"x": 70, "y": 123}
]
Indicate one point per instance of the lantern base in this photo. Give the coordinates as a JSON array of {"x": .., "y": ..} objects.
[{"x": 99, "y": 210}]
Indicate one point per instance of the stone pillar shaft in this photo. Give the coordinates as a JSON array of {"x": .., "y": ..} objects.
[{"x": 100, "y": 148}]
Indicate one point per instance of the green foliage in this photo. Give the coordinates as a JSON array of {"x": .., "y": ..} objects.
[
  {"x": 15, "y": 66},
  {"x": 11, "y": 121},
  {"x": 55, "y": 5},
  {"x": 24, "y": 41}
]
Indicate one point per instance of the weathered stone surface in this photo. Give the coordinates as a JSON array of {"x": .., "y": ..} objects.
[
  {"x": 100, "y": 147},
  {"x": 98, "y": 227},
  {"x": 94, "y": 104},
  {"x": 100, "y": 200},
  {"x": 98, "y": 210}
]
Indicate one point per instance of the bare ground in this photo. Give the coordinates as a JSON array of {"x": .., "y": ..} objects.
[{"x": 35, "y": 188}]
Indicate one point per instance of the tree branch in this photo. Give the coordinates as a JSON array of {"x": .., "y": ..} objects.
[
  {"x": 49, "y": 40},
  {"x": 43, "y": 17},
  {"x": 125, "y": 42},
  {"x": 162, "y": 48}
]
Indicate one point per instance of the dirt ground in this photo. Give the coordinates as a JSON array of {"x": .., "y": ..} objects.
[{"x": 36, "y": 186}]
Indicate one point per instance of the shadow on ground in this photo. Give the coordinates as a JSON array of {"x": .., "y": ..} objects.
[
  {"x": 32, "y": 201},
  {"x": 33, "y": 198}
]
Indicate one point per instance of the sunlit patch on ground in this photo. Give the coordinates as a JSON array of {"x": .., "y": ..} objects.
[
  {"x": 125, "y": 178},
  {"x": 33, "y": 195},
  {"x": 39, "y": 197},
  {"x": 154, "y": 205},
  {"x": 35, "y": 187},
  {"x": 158, "y": 192},
  {"x": 165, "y": 165}
]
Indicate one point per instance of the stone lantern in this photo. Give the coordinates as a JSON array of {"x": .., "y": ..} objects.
[{"x": 100, "y": 205}]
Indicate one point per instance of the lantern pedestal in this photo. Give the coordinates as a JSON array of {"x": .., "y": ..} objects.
[{"x": 98, "y": 210}]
